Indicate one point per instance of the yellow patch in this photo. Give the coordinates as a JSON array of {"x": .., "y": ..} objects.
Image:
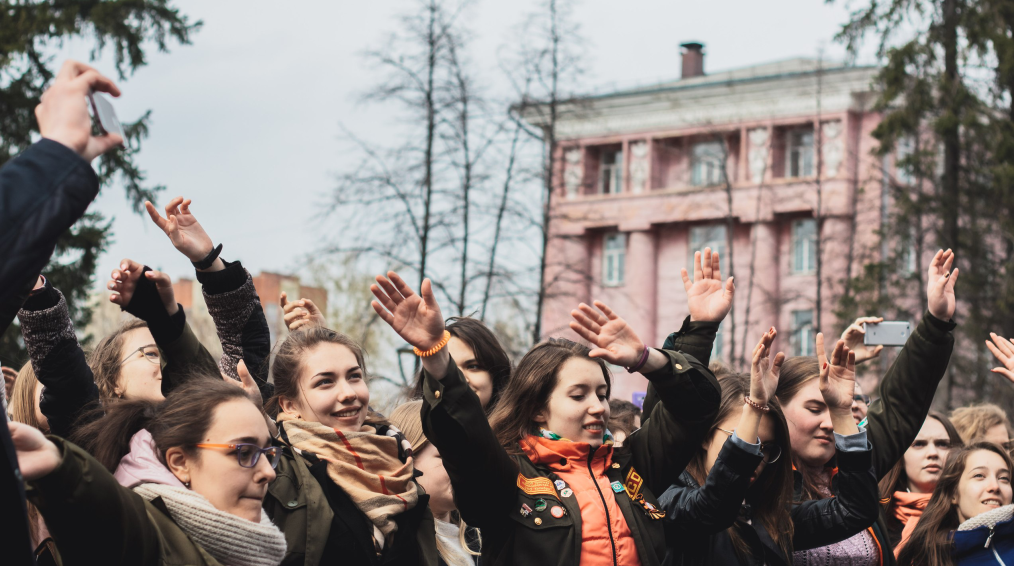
[
  {"x": 536, "y": 486},
  {"x": 633, "y": 483}
]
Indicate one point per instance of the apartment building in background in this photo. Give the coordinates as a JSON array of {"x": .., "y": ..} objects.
[{"x": 646, "y": 176}]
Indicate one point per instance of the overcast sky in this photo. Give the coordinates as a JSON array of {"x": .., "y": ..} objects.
[{"x": 246, "y": 120}]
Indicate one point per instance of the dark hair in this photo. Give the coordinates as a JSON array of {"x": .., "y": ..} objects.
[
  {"x": 621, "y": 416},
  {"x": 288, "y": 364},
  {"x": 529, "y": 389},
  {"x": 796, "y": 372},
  {"x": 182, "y": 420},
  {"x": 931, "y": 541},
  {"x": 897, "y": 479},
  {"x": 105, "y": 360},
  {"x": 769, "y": 493}
]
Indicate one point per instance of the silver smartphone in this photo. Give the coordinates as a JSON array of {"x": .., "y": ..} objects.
[
  {"x": 105, "y": 116},
  {"x": 887, "y": 333}
]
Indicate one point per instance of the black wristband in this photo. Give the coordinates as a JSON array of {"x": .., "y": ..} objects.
[{"x": 208, "y": 259}]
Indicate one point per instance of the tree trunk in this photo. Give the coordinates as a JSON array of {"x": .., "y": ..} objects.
[{"x": 549, "y": 160}]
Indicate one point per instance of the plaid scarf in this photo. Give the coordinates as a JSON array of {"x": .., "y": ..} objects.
[{"x": 364, "y": 464}]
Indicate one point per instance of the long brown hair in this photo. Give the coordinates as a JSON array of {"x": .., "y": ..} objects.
[
  {"x": 796, "y": 372},
  {"x": 530, "y": 387},
  {"x": 22, "y": 410},
  {"x": 769, "y": 492},
  {"x": 897, "y": 479},
  {"x": 931, "y": 541},
  {"x": 288, "y": 364},
  {"x": 181, "y": 420},
  {"x": 105, "y": 360}
]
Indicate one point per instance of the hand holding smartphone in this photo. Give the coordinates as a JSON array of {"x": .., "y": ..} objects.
[
  {"x": 104, "y": 115},
  {"x": 887, "y": 333}
]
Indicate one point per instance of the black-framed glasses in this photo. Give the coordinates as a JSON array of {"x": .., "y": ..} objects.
[
  {"x": 863, "y": 398},
  {"x": 249, "y": 454},
  {"x": 149, "y": 352},
  {"x": 771, "y": 451}
]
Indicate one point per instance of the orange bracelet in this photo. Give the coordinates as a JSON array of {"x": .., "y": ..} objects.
[{"x": 439, "y": 346}]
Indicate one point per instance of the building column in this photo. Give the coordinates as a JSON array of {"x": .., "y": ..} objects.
[
  {"x": 764, "y": 302},
  {"x": 640, "y": 308}
]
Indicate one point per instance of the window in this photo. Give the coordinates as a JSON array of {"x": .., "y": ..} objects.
[
  {"x": 716, "y": 350},
  {"x": 713, "y": 237},
  {"x": 706, "y": 164},
  {"x": 799, "y": 153},
  {"x": 802, "y": 333},
  {"x": 903, "y": 151},
  {"x": 614, "y": 255},
  {"x": 804, "y": 246},
  {"x": 611, "y": 172}
]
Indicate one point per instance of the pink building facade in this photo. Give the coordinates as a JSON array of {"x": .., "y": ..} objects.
[{"x": 644, "y": 179}]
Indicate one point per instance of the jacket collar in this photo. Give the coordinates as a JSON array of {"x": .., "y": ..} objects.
[
  {"x": 142, "y": 464},
  {"x": 553, "y": 453},
  {"x": 973, "y": 534}
]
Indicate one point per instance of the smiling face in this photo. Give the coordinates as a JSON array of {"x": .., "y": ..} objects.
[
  {"x": 478, "y": 378},
  {"x": 332, "y": 389},
  {"x": 925, "y": 459},
  {"x": 984, "y": 485},
  {"x": 216, "y": 474},
  {"x": 810, "y": 430},
  {"x": 141, "y": 369},
  {"x": 578, "y": 407}
]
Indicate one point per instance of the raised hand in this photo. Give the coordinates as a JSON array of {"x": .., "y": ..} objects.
[
  {"x": 37, "y": 455},
  {"x": 853, "y": 338},
  {"x": 123, "y": 282},
  {"x": 614, "y": 340},
  {"x": 246, "y": 383},
  {"x": 1003, "y": 349},
  {"x": 763, "y": 372},
  {"x": 707, "y": 298},
  {"x": 415, "y": 318},
  {"x": 300, "y": 313},
  {"x": 837, "y": 378},
  {"x": 62, "y": 113},
  {"x": 183, "y": 229},
  {"x": 940, "y": 285}
]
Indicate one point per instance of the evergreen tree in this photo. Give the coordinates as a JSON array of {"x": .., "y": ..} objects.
[{"x": 28, "y": 29}]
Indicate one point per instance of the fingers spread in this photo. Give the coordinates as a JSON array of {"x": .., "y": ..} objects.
[
  {"x": 388, "y": 287},
  {"x": 584, "y": 332},
  {"x": 687, "y": 283},
  {"x": 707, "y": 264},
  {"x": 400, "y": 284},
  {"x": 698, "y": 268},
  {"x": 585, "y": 322},
  {"x": 593, "y": 314},
  {"x": 605, "y": 310},
  {"x": 155, "y": 216},
  {"x": 716, "y": 266},
  {"x": 383, "y": 299},
  {"x": 382, "y": 313}
]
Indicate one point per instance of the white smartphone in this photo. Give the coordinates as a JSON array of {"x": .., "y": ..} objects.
[
  {"x": 105, "y": 116},
  {"x": 887, "y": 333}
]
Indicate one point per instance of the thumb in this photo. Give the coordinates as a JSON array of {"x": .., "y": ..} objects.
[
  {"x": 283, "y": 299},
  {"x": 952, "y": 280},
  {"x": 876, "y": 351},
  {"x": 730, "y": 288},
  {"x": 426, "y": 291}
]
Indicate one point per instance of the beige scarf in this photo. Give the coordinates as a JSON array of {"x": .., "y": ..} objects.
[{"x": 364, "y": 464}]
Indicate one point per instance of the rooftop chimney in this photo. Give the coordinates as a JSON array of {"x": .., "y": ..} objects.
[{"x": 693, "y": 59}]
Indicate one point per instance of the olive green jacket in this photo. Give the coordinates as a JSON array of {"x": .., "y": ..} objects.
[{"x": 98, "y": 521}]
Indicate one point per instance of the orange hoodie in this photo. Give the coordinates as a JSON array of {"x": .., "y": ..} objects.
[{"x": 595, "y": 496}]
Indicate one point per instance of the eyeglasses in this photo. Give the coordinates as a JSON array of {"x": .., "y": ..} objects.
[
  {"x": 149, "y": 352},
  {"x": 863, "y": 398},
  {"x": 771, "y": 451},
  {"x": 249, "y": 454}
]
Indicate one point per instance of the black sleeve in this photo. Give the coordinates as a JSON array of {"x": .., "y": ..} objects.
[
  {"x": 43, "y": 192},
  {"x": 483, "y": 475},
  {"x": 694, "y": 338},
  {"x": 854, "y": 507},
  {"x": 713, "y": 507}
]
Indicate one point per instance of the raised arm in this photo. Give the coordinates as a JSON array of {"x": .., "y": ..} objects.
[
  {"x": 907, "y": 389},
  {"x": 57, "y": 358},
  {"x": 483, "y": 475}
]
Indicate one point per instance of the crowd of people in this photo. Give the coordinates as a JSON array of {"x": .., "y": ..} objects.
[{"x": 147, "y": 450}]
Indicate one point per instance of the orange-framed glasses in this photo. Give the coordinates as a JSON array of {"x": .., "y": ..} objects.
[{"x": 249, "y": 454}]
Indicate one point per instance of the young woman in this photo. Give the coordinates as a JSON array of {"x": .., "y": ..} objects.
[
  {"x": 24, "y": 408},
  {"x": 984, "y": 422},
  {"x": 729, "y": 506},
  {"x": 908, "y": 486},
  {"x": 345, "y": 492},
  {"x": 968, "y": 520},
  {"x": 453, "y": 535},
  {"x": 197, "y": 501},
  {"x": 540, "y": 479}
]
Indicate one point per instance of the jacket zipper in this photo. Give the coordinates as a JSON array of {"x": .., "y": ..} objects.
[
  {"x": 609, "y": 522},
  {"x": 989, "y": 539}
]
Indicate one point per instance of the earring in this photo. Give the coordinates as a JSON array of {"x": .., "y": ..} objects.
[{"x": 186, "y": 483}]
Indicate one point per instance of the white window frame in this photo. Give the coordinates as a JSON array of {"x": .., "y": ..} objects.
[
  {"x": 712, "y": 236},
  {"x": 804, "y": 247},
  {"x": 802, "y": 152},
  {"x": 706, "y": 164},
  {"x": 802, "y": 334},
  {"x": 903, "y": 149},
  {"x": 614, "y": 258},
  {"x": 611, "y": 171}
]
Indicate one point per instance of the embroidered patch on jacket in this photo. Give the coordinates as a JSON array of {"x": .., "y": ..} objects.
[
  {"x": 536, "y": 486},
  {"x": 633, "y": 482}
]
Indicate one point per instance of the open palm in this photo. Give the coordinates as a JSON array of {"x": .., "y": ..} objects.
[
  {"x": 614, "y": 340},
  {"x": 184, "y": 231},
  {"x": 764, "y": 372},
  {"x": 837, "y": 376},
  {"x": 708, "y": 299},
  {"x": 415, "y": 318}
]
